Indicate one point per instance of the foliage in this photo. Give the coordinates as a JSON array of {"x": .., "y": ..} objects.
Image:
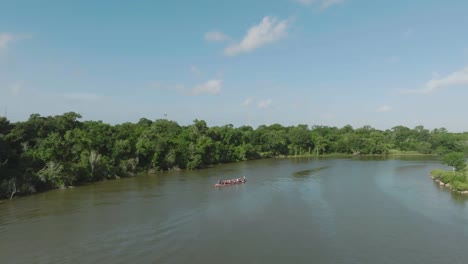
[
  {"x": 438, "y": 173},
  {"x": 455, "y": 159},
  {"x": 51, "y": 174},
  {"x": 57, "y": 151},
  {"x": 460, "y": 186},
  {"x": 458, "y": 180}
]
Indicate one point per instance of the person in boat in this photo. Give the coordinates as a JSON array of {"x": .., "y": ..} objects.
[{"x": 220, "y": 182}]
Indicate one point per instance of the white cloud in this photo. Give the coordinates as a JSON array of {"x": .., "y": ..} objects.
[
  {"x": 247, "y": 101},
  {"x": 322, "y": 3},
  {"x": 7, "y": 38},
  {"x": 457, "y": 78},
  {"x": 210, "y": 87},
  {"x": 215, "y": 36},
  {"x": 264, "y": 103},
  {"x": 383, "y": 109},
  {"x": 213, "y": 86},
  {"x": 269, "y": 30}
]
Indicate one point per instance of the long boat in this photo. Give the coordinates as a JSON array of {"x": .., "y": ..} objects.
[{"x": 222, "y": 183}]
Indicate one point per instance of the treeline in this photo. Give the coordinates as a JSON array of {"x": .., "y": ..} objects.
[{"x": 57, "y": 151}]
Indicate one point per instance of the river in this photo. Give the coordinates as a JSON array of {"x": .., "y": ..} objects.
[{"x": 290, "y": 211}]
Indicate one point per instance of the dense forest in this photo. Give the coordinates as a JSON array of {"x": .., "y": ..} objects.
[{"x": 57, "y": 151}]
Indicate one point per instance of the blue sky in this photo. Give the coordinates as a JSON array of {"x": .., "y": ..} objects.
[{"x": 315, "y": 62}]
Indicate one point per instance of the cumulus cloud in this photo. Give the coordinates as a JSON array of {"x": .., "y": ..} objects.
[
  {"x": 458, "y": 78},
  {"x": 247, "y": 101},
  {"x": 264, "y": 103},
  {"x": 210, "y": 87},
  {"x": 269, "y": 30},
  {"x": 215, "y": 36},
  {"x": 383, "y": 109},
  {"x": 322, "y": 3},
  {"x": 213, "y": 86},
  {"x": 7, "y": 38}
]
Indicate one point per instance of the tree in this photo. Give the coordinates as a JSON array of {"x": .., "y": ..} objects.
[
  {"x": 320, "y": 144},
  {"x": 455, "y": 159},
  {"x": 300, "y": 139},
  {"x": 5, "y": 128},
  {"x": 51, "y": 175},
  {"x": 53, "y": 151},
  {"x": 275, "y": 143},
  {"x": 443, "y": 142}
]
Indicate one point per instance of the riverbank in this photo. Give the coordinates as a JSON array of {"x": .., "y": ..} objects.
[
  {"x": 456, "y": 181},
  {"x": 392, "y": 153},
  {"x": 401, "y": 154},
  {"x": 50, "y": 152}
]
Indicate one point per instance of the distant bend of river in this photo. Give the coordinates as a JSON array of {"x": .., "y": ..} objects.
[{"x": 295, "y": 210}]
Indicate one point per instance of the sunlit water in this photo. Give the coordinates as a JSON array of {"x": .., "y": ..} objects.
[{"x": 289, "y": 211}]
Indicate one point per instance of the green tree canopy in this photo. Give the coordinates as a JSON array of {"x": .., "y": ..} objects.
[
  {"x": 47, "y": 152},
  {"x": 455, "y": 160}
]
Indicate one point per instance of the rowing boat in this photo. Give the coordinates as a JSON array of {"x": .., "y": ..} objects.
[{"x": 230, "y": 182}]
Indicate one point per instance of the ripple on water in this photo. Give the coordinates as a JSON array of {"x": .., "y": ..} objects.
[
  {"x": 305, "y": 174},
  {"x": 166, "y": 236}
]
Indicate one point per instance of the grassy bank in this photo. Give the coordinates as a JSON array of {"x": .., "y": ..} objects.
[{"x": 455, "y": 180}]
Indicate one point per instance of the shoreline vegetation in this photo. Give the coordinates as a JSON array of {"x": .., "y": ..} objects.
[
  {"x": 44, "y": 153},
  {"x": 453, "y": 180},
  {"x": 390, "y": 153},
  {"x": 457, "y": 179}
]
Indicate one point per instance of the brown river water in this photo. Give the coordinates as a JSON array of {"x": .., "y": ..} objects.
[{"x": 296, "y": 210}]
